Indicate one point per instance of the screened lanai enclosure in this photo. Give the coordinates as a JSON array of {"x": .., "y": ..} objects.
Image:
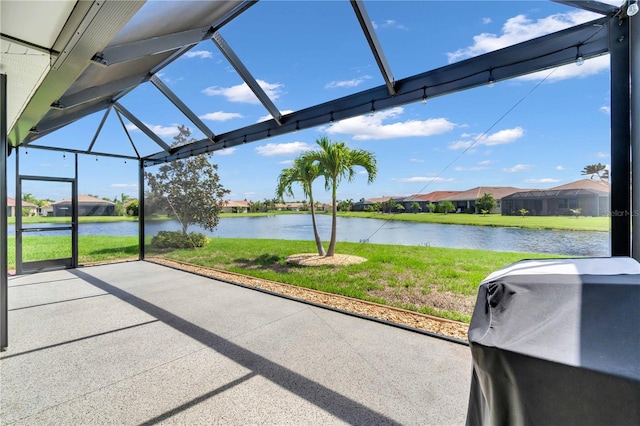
[{"x": 94, "y": 94}]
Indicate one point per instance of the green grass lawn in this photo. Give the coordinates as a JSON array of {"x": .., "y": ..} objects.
[
  {"x": 90, "y": 249},
  {"x": 415, "y": 278},
  {"x": 532, "y": 222}
]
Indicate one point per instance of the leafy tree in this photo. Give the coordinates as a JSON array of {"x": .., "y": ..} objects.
[
  {"x": 336, "y": 162},
  {"x": 576, "y": 212},
  {"x": 29, "y": 198},
  {"x": 432, "y": 207},
  {"x": 400, "y": 208},
  {"x": 446, "y": 206},
  {"x": 133, "y": 208},
  {"x": 345, "y": 205},
  {"x": 599, "y": 170},
  {"x": 523, "y": 212},
  {"x": 486, "y": 202},
  {"x": 190, "y": 188},
  {"x": 304, "y": 172},
  {"x": 415, "y": 207}
]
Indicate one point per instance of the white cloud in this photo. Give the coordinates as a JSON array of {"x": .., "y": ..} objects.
[
  {"x": 286, "y": 162},
  {"x": 202, "y": 54},
  {"x": 291, "y": 148},
  {"x": 590, "y": 67},
  {"x": 246, "y": 194},
  {"x": 242, "y": 92},
  {"x": 421, "y": 179},
  {"x": 560, "y": 168},
  {"x": 269, "y": 117},
  {"x": 518, "y": 168},
  {"x": 416, "y": 160},
  {"x": 220, "y": 116},
  {"x": 389, "y": 23},
  {"x": 162, "y": 131},
  {"x": 603, "y": 155},
  {"x": 347, "y": 83},
  {"x": 367, "y": 127},
  {"x": 486, "y": 21},
  {"x": 498, "y": 138},
  {"x": 485, "y": 162},
  {"x": 605, "y": 109},
  {"x": 226, "y": 151},
  {"x": 519, "y": 29},
  {"x": 542, "y": 180}
]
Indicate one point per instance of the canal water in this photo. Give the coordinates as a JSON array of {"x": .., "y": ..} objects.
[{"x": 375, "y": 231}]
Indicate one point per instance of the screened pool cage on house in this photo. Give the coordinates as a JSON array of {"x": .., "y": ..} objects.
[{"x": 68, "y": 62}]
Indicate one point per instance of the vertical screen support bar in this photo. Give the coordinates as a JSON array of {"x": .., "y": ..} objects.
[
  {"x": 634, "y": 50},
  {"x": 620, "y": 138},
  {"x": 4, "y": 260},
  {"x": 74, "y": 216},
  {"x": 141, "y": 210}
]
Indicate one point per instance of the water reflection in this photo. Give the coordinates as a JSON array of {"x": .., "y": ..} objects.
[{"x": 374, "y": 231}]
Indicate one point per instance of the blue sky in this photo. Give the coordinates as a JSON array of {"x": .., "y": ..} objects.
[{"x": 304, "y": 53}]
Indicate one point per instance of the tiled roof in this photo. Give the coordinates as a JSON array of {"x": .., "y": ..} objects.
[
  {"x": 473, "y": 194},
  {"x": 593, "y": 184},
  {"x": 242, "y": 203},
  {"x": 11, "y": 202},
  {"x": 85, "y": 199},
  {"x": 434, "y": 196}
]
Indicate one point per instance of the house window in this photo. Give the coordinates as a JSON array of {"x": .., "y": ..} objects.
[{"x": 568, "y": 203}]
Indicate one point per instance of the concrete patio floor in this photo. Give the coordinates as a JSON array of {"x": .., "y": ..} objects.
[{"x": 140, "y": 343}]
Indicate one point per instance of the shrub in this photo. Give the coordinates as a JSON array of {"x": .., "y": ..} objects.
[{"x": 176, "y": 239}]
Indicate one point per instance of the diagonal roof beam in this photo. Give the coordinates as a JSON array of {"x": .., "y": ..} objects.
[
  {"x": 95, "y": 137},
  {"x": 590, "y": 5},
  {"x": 534, "y": 55},
  {"x": 89, "y": 30},
  {"x": 126, "y": 132},
  {"x": 140, "y": 125},
  {"x": 49, "y": 126},
  {"x": 182, "y": 107},
  {"x": 374, "y": 44},
  {"x": 127, "y": 51},
  {"x": 97, "y": 92},
  {"x": 246, "y": 76}
]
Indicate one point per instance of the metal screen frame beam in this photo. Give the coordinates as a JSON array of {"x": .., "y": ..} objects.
[
  {"x": 189, "y": 38},
  {"x": 175, "y": 100},
  {"x": 634, "y": 49},
  {"x": 620, "y": 138},
  {"x": 101, "y": 91},
  {"x": 100, "y": 23},
  {"x": 590, "y": 5},
  {"x": 99, "y": 129},
  {"x": 140, "y": 125},
  {"x": 246, "y": 76},
  {"x": 4, "y": 232},
  {"x": 374, "y": 44},
  {"x": 542, "y": 53},
  {"x": 141, "y": 247}
]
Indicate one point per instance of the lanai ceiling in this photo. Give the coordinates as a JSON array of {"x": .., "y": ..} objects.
[{"x": 68, "y": 59}]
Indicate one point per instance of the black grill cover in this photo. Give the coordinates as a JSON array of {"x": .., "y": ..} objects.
[{"x": 557, "y": 342}]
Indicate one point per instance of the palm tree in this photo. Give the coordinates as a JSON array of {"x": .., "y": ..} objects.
[
  {"x": 337, "y": 161},
  {"x": 303, "y": 172},
  {"x": 599, "y": 170}
]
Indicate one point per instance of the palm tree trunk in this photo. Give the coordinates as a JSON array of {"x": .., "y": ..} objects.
[
  {"x": 315, "y": 228},
  {"x": 334, "y": 216}
]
